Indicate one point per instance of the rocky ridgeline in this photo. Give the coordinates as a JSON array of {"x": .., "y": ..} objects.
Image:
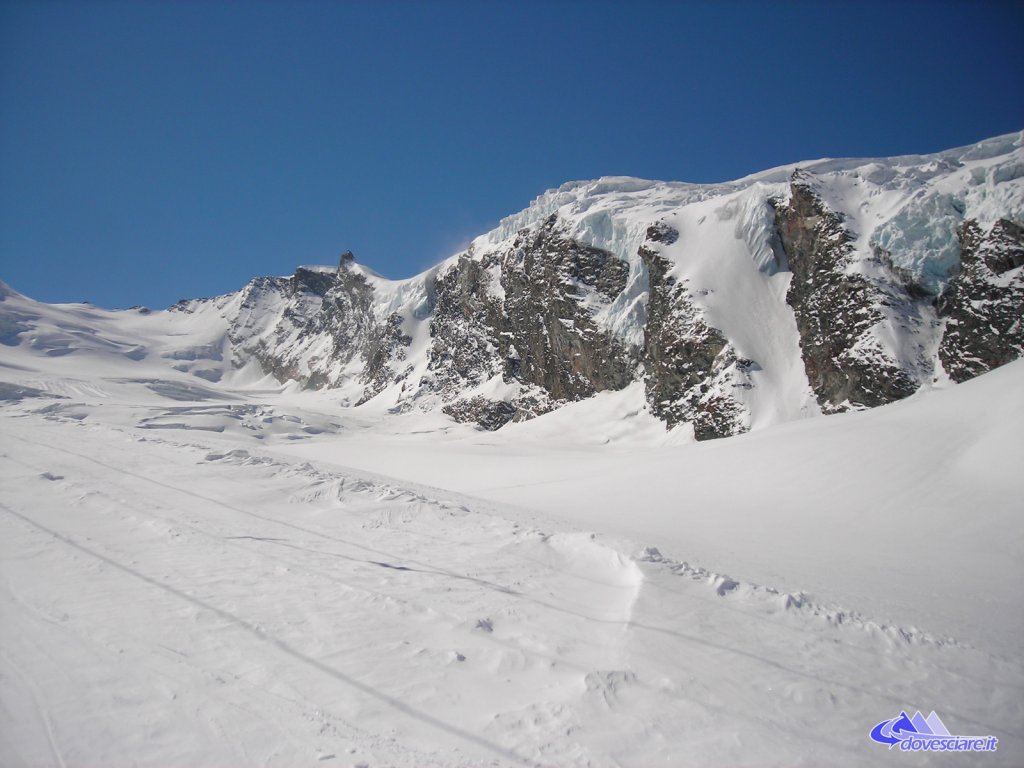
[
  {"x": 842, "y": 314},
  {"x": 513, "y": 330},
  {"x": 317, "y": 327}
]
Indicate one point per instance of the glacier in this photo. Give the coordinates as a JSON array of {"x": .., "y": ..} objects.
[{"x": 464, "y": 518}]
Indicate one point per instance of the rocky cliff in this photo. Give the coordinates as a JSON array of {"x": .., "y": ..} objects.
[
  {"x": 803, "y": 290},
  {"x": 838, "y": 310},
  {"x": 983, "y": 305}
]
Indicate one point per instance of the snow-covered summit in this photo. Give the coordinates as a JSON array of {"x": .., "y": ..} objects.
[
  {"x": 247, "y": 530},
  {"x": 812, "y": 287},
  {"x": 909, "y": 202}
]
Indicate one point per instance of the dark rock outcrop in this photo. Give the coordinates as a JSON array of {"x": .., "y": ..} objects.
[
  {"x": 321, "y": 309},
  {"x": 984, "y": 304},
  {"x": 467, "y": 322},
  {"x": 486, "y": 413},
  {"x": 384, "y": 354},
  {"x": 526, "y": 313},
  {"x": 525, "y": 327},
  {"x": 835, "y": 309},
  {"x": 547, "y": 277},
  {"x": 687, "y": 362}
]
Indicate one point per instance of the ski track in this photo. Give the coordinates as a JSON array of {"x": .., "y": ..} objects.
[
  {"x": 203, "y": 566},
  {"x": 38, "y": 707},
  {"x": 601, "y": 652},
  {"x": 268, "y": 639}
]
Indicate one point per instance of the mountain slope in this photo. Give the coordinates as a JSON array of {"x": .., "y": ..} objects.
[
  {"x": 835, "y": 285},
  {"x": 247, "y": 530},
  {"x": 235, "y": 573}
]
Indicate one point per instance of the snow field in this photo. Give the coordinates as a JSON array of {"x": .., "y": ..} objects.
[{"x": 177, "y": 595}]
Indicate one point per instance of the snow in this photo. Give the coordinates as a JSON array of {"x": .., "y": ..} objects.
[
  {"x": 613, "y": 214},
  {"x": 907, "y": 208},
  {"x": 912, "y": 206},
  {"x": 200, "y": 565},
  {"x": 728, "y": 273},
  {"x": 242, "y": 572}
]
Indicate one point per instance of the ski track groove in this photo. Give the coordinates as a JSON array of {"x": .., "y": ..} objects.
[
  {"x": 39, "y": 705},
  {"x": 276, "y": 466},
  {"x": 303, "y": 565},
  {"x": 427, "y": 568},
  {"x": 274, "y": 642}
]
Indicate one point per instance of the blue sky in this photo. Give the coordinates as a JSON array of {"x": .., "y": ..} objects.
[{"x": 153, "y": 151}]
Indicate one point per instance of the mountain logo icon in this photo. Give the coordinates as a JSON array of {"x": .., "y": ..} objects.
[{"x": 920, "y": 733}]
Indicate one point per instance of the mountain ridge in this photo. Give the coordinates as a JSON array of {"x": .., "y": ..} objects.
[{"x": 810, "y": 288}]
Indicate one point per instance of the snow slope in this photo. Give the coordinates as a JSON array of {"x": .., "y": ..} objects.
[
  {"x": 891, "y": 202},
  {"x": 886, "y": 511},
  {"x": 204, "y": 564},
  {"x": 200, "y": 573}
]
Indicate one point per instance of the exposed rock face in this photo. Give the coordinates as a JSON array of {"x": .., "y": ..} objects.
[
  {"x": 467, "y": 320},
  {"x": 489, "y": 414},
  {"x": 548, "y": 279},
  {"x": 836, "y": 309},
  {"x": 984, "y": 303},
  {"x": 526, "y": 314},
  {"x": 514, "y": 332},
  {"x": 732, "y": 303},
  {"x": 385, "y": 355},
  {"x": 689, "y": 365},
  {"x": 318, "y": 328}
]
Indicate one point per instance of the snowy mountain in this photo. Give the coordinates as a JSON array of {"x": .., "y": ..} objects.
[
  {"x": 817, "y": 288},
  {"x": 248, "y": 530}
]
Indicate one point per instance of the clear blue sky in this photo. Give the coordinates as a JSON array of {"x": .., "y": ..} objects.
[{"x": 151, "y": 151}]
